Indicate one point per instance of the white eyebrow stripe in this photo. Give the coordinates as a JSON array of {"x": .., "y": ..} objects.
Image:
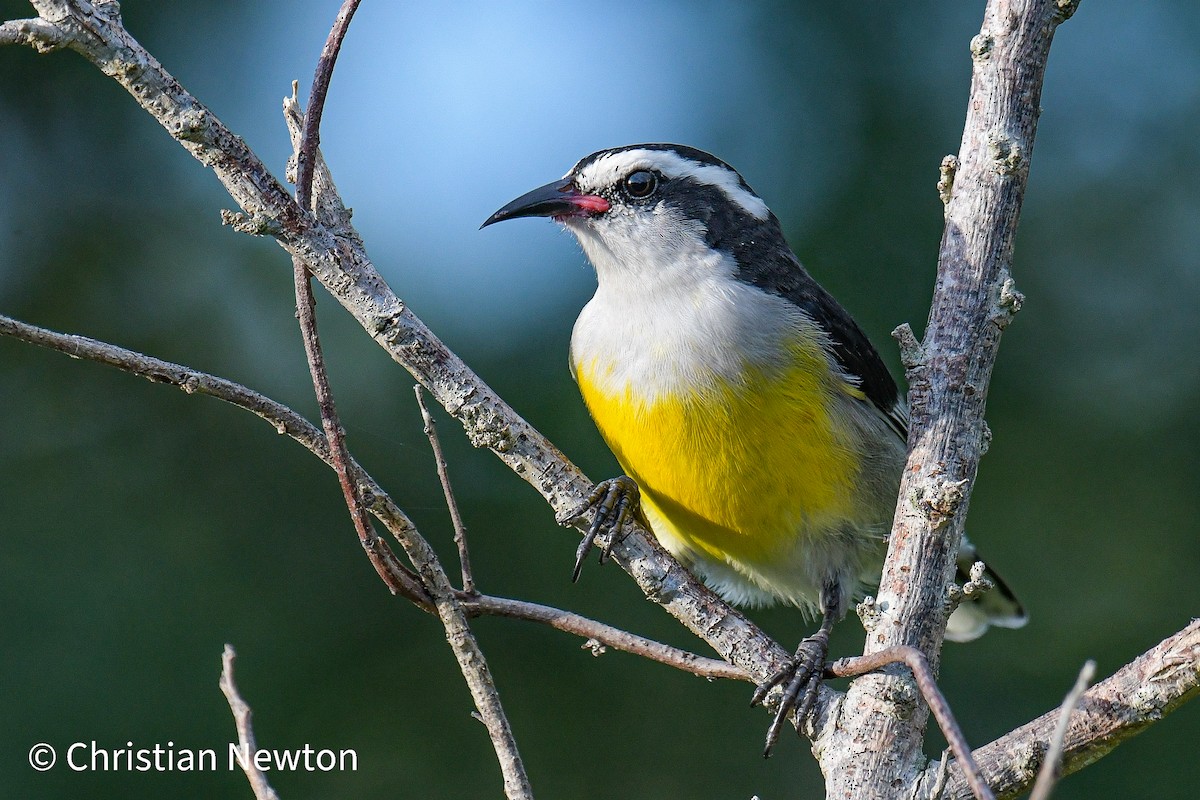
[{"x": 606, "y": 170}]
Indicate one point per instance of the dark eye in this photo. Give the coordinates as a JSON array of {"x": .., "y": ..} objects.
[{"x": 641, "y": 183}]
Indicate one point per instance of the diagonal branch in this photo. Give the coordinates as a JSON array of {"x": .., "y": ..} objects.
[
  {"x": 915, "y": 660},
  {"x": 1051, "y": 769},
  {"x": 1118, "y": 708}
]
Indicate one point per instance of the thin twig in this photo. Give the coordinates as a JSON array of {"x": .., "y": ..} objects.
[
  {"x": 306, "y": 310},
  {"x": 606, "y": 635},
  {"x": 915, "y": 660},
  {"x": 1052, "y": 766},
  {"x": 310, "y": 140},
  {"x": 431, "y": 591},
  {"x": 1136, "y": 696},
  {"x": 242, "y": 715},
  {"x": 439, "y": 460}
]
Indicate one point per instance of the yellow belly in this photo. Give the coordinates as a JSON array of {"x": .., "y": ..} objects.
[{"x": 737, "y": 472}]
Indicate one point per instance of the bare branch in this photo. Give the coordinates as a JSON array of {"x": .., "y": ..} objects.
[
  {"x": 432, "y": 590},
  {"x": 306, "y": 306},
  {"x": 948, "y": 375},
  {"x": 36, "y": 33},
  {"x": 915, "y": 660},
  {"x": 1133, "y": 698},
  {"x": 242, "y": 721},
  {"x": 398, "y": 578},
  {"x": 606, "y": 635},
  {"x": 310, "y": 139},
  {"x": 439, "y": 460},
  {"x": 1052, "y": 766}
]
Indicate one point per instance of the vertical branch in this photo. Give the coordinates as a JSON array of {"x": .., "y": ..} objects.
[
  {"x": 306, "y": 303},
  {"x": 948, "y": 373},
  {"x": 247, "y": 743},
  {"x": 439, "y": 459}
]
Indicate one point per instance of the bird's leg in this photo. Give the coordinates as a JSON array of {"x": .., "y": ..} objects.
[
  {"x": 614, "y": 502},
  {"x": 801, "y": 679}
]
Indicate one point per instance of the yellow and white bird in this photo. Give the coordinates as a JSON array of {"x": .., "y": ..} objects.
[{"x": 763, "y": 431}]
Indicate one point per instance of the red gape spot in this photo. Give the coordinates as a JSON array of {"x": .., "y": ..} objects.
[{"x": 591, "y": 203}]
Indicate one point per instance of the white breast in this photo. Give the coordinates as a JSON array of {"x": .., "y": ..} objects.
[{"x": 675, "y": 320}]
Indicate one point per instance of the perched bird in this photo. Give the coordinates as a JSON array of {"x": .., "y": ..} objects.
[{"x": 760, "y": 425}]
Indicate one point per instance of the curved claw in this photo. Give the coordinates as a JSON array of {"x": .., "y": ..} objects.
[
  {"x": 613, "y": 502},
  {"x": 801, "y": 682}
]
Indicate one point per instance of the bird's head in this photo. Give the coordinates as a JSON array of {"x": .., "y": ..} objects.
[{"x": 645, "y": 208}]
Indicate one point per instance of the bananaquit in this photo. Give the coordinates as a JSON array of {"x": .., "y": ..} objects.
[{"x": 763, "y": 431}]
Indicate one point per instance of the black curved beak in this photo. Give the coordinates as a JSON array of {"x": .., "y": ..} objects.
[{"x": 558, "y": 199}]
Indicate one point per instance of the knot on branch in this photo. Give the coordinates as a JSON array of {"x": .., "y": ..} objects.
[
  {"x": 982, "y": 45},
  {"x": 485, "y": 427},
  {"x": 1006, "y": 154},
  {"x": 380, "y": 323},
  {"x": 898, "y": 692},
  {"x": 868, "y": 613},
  {"x": 912, "y": 355},
  {"x": 1028, "y": 760},
  {"x": 942, "y": 501},
  {"x": 253, "y": 224},
  {"x": 977, "y": 586},
  {"x": 193, "y": 125},
  {"x": 946, "y": 173},
  {"x": 1008, "y": 303},
  {"x": 1065, "y": 9}
]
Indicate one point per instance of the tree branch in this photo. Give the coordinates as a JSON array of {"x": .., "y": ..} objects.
[
  {"x": 605, "y": 635},
  {"x": 1125, "y": 704},
  {"x": 1051, "y": 768},
  {"x": 306, "y": 305},
  {"x": 42, "y": 36},
  {"x": 948, "y": 376},
  {"x": 242, "y": 716},
  {"x": 283, "y": 419},
  {"x": 916, "y": 662},
  {"x": 439, "y": 462}
]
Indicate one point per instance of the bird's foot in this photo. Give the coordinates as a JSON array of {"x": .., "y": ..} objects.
[
  {"x": 800, "y": 681},
  {"x": 613, "y": 503}
]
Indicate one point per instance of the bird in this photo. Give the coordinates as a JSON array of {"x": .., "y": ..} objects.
[{"x": 761, "y": 435}]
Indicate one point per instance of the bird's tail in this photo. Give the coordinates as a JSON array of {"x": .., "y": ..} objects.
[{"x": 999, "y": 607}]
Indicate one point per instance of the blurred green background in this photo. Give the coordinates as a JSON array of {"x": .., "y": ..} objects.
[{"x": 143, "y": 529}]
